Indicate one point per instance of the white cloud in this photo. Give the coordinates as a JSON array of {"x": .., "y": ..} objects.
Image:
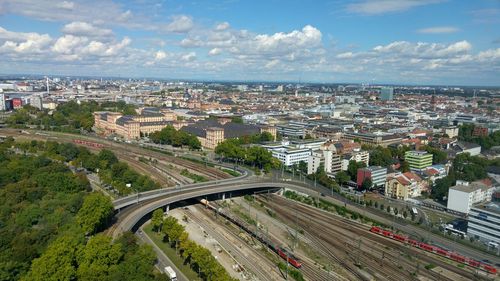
[
  {"x": 222, "y": 26},
  {"x": 160, "y": 55},
  {"x": 492, "y": 54},
  {"x": 214, "y": 52},
  {"x": 438, "y": 30},
  {"x": 309, "y": 36},
  {"x": 66, "y": 44},
  {"x": 91, "y": 11},
  {"x": 180, "y": 24},
  {"x": 79, "y": 28},
  {"x": 377, "y": 7},
  {"x": 66, "y": 5},
  {"x": 189, "y": 57},
  {"x": 346, "y": 55},
  {"x": 424, "y": 50},
  {"x": 23, "y": 42}
]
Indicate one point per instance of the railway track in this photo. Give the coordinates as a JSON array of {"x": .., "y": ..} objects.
[
  {"x": 308, "y": 268},
  {"x": 232, "y": 249},
  {"x": 346, "y": 228}
]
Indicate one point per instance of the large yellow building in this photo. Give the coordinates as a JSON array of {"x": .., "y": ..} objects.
[{"x": 133, "y": 126}]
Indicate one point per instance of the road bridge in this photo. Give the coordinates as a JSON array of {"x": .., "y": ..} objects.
[{"x": 133, "y": 217}]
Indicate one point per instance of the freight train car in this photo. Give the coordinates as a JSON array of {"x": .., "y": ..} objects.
[
  {"x": 435, "y": 249},
  {"x": 283, "y": 253}
]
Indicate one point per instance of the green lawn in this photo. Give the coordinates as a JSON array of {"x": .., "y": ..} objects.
[{"x": 170, "y": 252}]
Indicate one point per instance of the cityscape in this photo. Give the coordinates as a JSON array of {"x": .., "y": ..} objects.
[{"x": 147, "y": 140}]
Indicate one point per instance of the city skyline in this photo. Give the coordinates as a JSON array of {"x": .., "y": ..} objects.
[{"x": 378, "y": 42}]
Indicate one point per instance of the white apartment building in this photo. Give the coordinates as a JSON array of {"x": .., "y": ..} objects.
[
  {"x": 358, "y": 156},
  {"x": 463, "y": 195},
  {"x": 288, "y": 154},
  {"x": 330, "y": 159}
]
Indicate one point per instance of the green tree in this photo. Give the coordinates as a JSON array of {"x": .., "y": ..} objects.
[
  {"x": 438, "y": 156},
  {"x": 95, "y": 260},
  {"x": 58, "y": 261},
  {"x": 157, "y": 220},
  {"x": 342, "y": 177},
  {"x": 366, "y": 184},
  {"x": 107, "y": 158},
  {"x": 441, "y": 186},
  {"x": 95, "y": 213},
  {"x": 381, "y": 156},
  {"x": 405, "y": 166}
]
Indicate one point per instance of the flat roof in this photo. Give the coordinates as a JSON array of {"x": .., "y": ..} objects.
[{"x": 493, "y": 207}]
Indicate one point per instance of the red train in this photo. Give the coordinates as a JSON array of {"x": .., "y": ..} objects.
[
  {"x": 434, "y": 249},
  {"x": 284, "y": 254},
  {"x": 88, "y": 143}
]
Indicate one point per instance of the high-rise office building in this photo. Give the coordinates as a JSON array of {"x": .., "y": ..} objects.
[
  {"x": 387, "y": 93},
  {"x": 36, "y": 101},
  {"x": 2, "y": 102}
]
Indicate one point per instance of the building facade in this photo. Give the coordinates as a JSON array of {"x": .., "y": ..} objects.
[
  {"x": 133, "y": 126},
  {"x": 404, "y": 186},
  {"x": 377, "y": 174},
  {"x": 36, "y": 102},
  {"x": 418, "y": 160},
  {"x": 357, "y": 155},
  {"x": 387, "y": 93},
  {"x": 292, "y": 130},
  {"x": 329, "y": 158},
  {"x": 2, "y": 102},
  {"x": 211, "y": 132},
  {"x": 383, "y": 140},
  {"x": 290, "y": 155},
  {"x": 484, "y": 224},
  {"x": 464, "y": 195}
]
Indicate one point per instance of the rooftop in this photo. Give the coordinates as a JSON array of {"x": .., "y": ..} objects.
[{"x": 493, "y": 207}]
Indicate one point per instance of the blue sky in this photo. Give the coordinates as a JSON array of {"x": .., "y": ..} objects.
[{"x": 365, "y": 41}]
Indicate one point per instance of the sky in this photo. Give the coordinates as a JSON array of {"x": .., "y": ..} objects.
[{"x": 422, "y": 42}]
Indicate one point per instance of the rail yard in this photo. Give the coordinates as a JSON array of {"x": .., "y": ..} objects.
[
  {"x": 331, "y": 247},
  {"x": 287, "y": 238}
]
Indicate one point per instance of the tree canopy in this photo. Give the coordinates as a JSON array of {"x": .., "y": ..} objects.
[
  {"x": 252, "y": 155},
  {"x": 95, "y": 213},
  {"x": 45, "y": 213},
  {"x": 465, "y": 133},
  {"x": 169, "y": 135},
  {"x": 70, "y": 116}
]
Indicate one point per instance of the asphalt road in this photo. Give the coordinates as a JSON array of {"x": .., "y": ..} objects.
[{"x": 163, "y": 259}]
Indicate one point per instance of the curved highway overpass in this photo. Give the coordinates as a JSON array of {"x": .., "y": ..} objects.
[
  {"x": 123, "y": 202},
  {"x": 186, "y": 193}
]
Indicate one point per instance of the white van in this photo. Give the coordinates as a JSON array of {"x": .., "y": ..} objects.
[{"x": 171, "y": 273}]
